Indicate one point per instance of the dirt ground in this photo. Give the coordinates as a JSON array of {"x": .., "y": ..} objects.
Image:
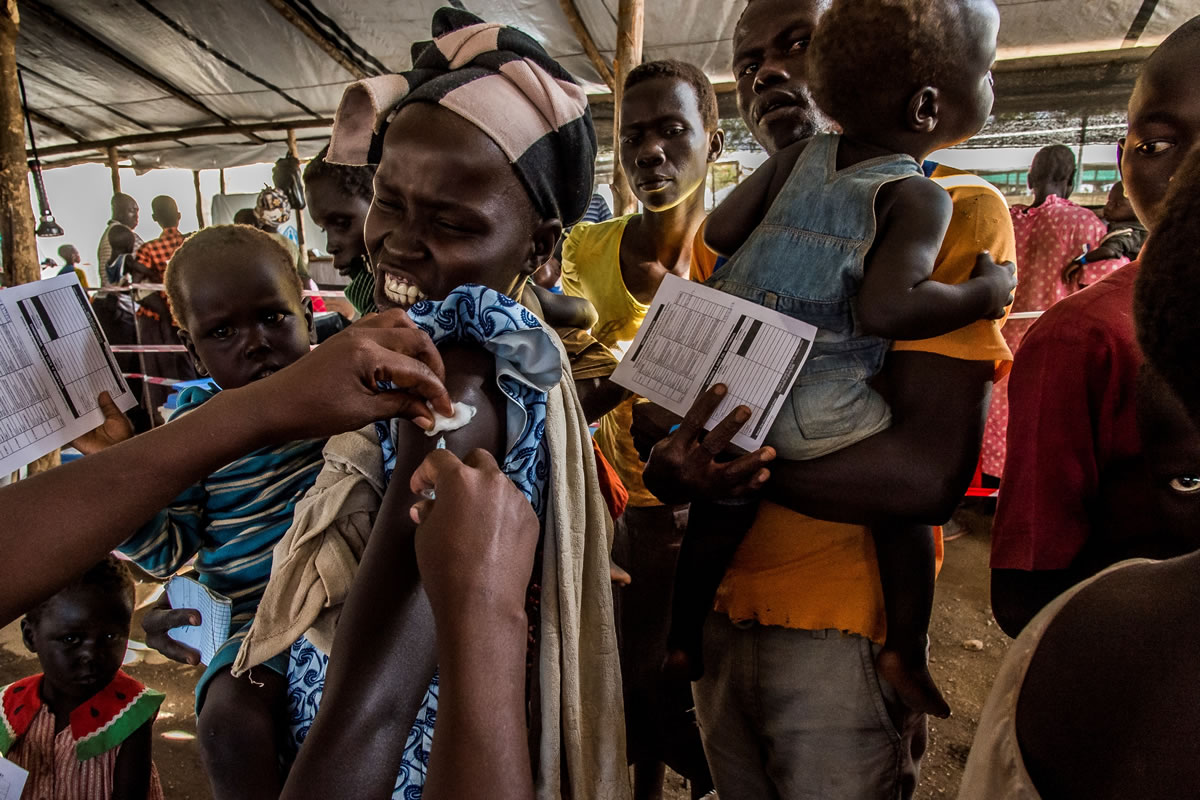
[{"x": 962, "y": 620}]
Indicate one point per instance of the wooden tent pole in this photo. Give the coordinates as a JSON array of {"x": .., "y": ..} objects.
[
  {"x": 603, "y": 68},
  {"x": 331, "y": 50},
  {"x": 294, "y": 152},
  {"x": 199, "y": 199},
  {"x": 630, "y": 25},
  {"x": 115, "y": 169},
  {"x": 18, "y": 251},
  {"x": 222, "y": 177},
  {"x": 20, "y": 258}
]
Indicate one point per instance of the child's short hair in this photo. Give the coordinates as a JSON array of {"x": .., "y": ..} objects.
[
  {"x": 120, "y": 239},
  {"x": 196, "y": 246},
  {"x": 864, "y": 52},
  {"x": 706, "y": 95},
  {"x": 111, "y": 575},
  {"x": 354, "y": 181}
]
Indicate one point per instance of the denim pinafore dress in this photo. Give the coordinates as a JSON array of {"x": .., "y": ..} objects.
[{"x": 806, "y": 260}]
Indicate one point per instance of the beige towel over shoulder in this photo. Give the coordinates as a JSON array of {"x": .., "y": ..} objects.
[{"x": 315, "y": 561}]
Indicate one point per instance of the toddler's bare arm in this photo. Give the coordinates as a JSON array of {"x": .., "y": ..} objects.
[
  {"x": 730, "y": 224},
  {"x": 897, "y": 299}
]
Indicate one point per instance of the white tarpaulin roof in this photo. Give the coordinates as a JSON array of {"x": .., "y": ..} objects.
[{"x": 98, "y": 70}]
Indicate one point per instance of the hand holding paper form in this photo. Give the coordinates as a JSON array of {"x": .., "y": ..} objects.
[
  {"x": 54, "y": 362},
  {"x": 213, "y": 630},
  {"x": 695, "y": 336}
]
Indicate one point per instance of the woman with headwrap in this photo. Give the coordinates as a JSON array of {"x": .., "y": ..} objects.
[{"x": 484, "y": 149}]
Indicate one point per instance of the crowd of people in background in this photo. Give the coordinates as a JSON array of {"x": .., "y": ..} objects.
[{"x": 442, "y": 585}]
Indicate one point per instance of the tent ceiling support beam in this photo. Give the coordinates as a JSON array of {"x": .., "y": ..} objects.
[
  {"x": 116, "y": 55},
  {"x": 631, "y": 23},
  {"x": 187, "y": 133},
  {"x": 91, "y": 101},
  {"x": 585, "y": 40},
  {"x": 50, "y": 122},
  {"x": 331, "y": 50},
  {"x": 224, "y": 59}
]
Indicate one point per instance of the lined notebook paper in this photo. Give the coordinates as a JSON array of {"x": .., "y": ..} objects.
[{"x": 213, "y": 630}]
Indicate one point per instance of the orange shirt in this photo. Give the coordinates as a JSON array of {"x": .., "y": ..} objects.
[{"x": 799, "y": 572}]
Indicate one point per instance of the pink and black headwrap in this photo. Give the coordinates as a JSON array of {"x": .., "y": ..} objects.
[{"x": 503, "y": 82}]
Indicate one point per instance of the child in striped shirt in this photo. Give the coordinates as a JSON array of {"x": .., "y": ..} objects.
[{"x": 237, "y": 298}]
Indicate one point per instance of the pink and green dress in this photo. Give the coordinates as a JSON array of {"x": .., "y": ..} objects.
[{"x": 78, "y": 762}]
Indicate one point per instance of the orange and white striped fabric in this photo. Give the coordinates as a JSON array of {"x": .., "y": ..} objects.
[{"x": 56, "y": 774}]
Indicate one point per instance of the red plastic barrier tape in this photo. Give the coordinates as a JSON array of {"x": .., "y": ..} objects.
[
  {"x": 151, "y": 379},
  {"x": 158, "y": 287}
]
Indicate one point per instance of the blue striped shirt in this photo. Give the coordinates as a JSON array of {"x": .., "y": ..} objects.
[{"x": 231, "y": 520}]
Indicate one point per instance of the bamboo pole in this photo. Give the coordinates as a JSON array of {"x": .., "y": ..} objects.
[
  {"x": 630, "y": 26},
  {"x": 19, "y": 248},
  {"x": 331, "y": 50},
  {"x": 587, "y": 43},
  {"x": 199, "y": 199},
  {"x": 114, "y": 168},
  {"x": 294, "y": 152}
]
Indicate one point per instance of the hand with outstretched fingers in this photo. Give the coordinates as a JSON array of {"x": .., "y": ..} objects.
[
  {"x": 159, "y": 619},
  {"x": 335, "y": 388},
  {"x": 684, "y": 466}
]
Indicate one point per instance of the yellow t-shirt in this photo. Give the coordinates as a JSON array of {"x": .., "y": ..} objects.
[
  {"x": 799, "y": 572},
  {"x": 591, "y": 268}
]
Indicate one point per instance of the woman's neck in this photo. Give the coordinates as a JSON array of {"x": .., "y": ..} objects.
[{"x": 665, "y": 237}]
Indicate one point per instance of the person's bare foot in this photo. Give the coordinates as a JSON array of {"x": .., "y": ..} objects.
[{"x": 912, "y": 682}]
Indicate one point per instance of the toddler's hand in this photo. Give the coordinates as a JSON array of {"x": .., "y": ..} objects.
[
  {"x": 1001, "y": 280},
  {"x": 159, "y": 619},
  {"x": 115, "y": 428}
]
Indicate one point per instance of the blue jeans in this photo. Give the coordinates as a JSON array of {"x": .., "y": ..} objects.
[{"x": 788, "y": 714}]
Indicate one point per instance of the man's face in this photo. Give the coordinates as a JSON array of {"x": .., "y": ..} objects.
[
  {"x": 126, "y": 212},
  {"x": 1164, "y": 126},
  {"x": 665, "y": 150},
  {"x": 770, "y": 47}
]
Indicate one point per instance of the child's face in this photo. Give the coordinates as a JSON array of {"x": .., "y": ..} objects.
[
  {"x": 1164, "y": 126},
  {"x": 1117, "y": 209},
  {"x": 80, "y": 641},
  {"x": 665, "y": 150},
  {"x": 244, "y": 317},
  {"x": 342, "y": 216},
  {"x": 970, "y": 98},
  {"x": 449, "y": 210}
]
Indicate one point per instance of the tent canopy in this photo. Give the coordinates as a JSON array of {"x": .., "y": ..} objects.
[{"x": 241, "y": 72}]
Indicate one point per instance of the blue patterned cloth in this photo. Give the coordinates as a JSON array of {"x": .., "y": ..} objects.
[{"x": 528, "y": 365}]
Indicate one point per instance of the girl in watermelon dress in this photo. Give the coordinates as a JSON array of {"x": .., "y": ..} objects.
[{"x": 82, "y": 728}]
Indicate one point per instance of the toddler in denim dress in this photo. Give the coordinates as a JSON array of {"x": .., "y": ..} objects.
[{"x": 842, "y": 231}]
